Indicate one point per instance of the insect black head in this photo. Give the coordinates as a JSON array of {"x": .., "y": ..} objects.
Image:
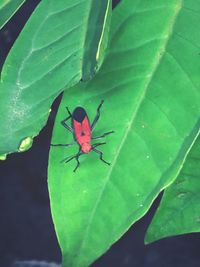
[{"x": 79, "y": 114}]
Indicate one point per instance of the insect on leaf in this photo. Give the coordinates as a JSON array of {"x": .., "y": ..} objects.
[{"x": 151, "y": 86}]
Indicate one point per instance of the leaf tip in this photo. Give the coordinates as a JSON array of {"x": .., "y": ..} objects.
[{"x": 148, "y": 239}]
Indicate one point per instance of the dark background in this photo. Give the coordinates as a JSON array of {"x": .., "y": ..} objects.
[{"x": 26, "y": 228}]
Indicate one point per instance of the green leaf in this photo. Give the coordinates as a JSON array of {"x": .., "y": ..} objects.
[
  {"x": 63, "y": 42},
  {"x": 7, "y": 9},
  {"x": 179, "y": 211},
  {"x": 151, "y": 86}
]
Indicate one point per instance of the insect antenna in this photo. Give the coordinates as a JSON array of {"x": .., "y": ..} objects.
[{"x": 68, "y": 159}]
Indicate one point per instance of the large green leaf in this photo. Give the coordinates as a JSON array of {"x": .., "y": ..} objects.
[
  {"x": 63, "y": 42},
  {"x": 7, "y": 9},
  {"x": 151, "y": 86},
  {"x": 179, "y": 210}
]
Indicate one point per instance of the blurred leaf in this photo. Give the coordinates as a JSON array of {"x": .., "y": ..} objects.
[
  {"x": 60, "y": 44},
  {"x": 151, "y": 86},
  {"x": 179, "y": 210},
  {"x": 7, "y": 9}
]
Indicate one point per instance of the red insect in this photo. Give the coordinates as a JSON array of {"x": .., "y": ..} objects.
[{"x": 82, "y": 131}]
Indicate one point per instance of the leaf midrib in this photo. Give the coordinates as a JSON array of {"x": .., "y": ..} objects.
[{"x": 155, "y": 66}]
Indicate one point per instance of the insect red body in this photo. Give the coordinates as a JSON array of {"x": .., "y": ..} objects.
[{"x": 82, "y": 131}]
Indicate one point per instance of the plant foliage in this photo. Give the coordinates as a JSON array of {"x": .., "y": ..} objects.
[
  {"x": 58, "y": 47},
  {"x": 7, "y": 10},
  {"x": 150, "y": 84}
]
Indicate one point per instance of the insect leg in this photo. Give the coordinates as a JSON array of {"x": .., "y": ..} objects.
[
  {"x": 64, "y": 123},
  {"x": 98, "y": 144},
  {"x": 103, "y": 135},
  {"x": 100, "y": 155},
  {"x": 63, "y": 144},
  {"x": 97, "y": 115},
  {"x": 70, "y": 114}
]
